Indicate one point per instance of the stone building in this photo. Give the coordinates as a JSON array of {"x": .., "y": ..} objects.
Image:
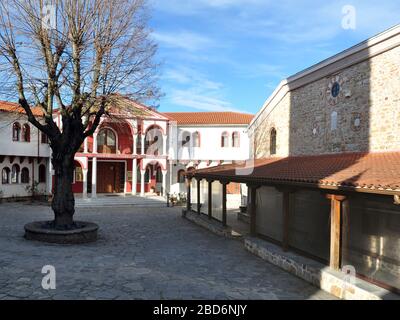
[
  {"x": 201, "y": 140},
  {"x": 324, "y": 178}
]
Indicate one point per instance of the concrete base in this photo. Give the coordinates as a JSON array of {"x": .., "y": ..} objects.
[
  {"x": 244, "y": 217},
  {"x": 40, "y": 231},
  {"x": 211, "y": 225},
  {"x": 334, "y": 282}
]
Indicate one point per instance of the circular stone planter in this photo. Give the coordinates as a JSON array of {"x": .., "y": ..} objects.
[{"x": 83, "y": 232}]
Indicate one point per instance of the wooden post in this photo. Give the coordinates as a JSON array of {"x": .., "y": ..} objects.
[
  {"x": 188, "y": 195},
  {"x": 198, "y": 196},
  {"x": 252, "y": 210},
  {"x": 224, "y": 217},
  {"x": 210, "y": 199},
  {"x": 336, "y": 217}
]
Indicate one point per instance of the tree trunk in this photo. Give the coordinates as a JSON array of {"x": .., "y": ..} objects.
[{"x": 63, "y": 203}]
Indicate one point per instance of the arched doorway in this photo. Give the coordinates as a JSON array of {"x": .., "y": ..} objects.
[{"x": 153, "y": 178}]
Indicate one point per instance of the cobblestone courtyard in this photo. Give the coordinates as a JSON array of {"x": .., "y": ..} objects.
[{"x": 142, "y": 253}]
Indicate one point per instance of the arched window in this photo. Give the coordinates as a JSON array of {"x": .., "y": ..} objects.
[
  {"x": 15, "y": 173},
  {"x": 181, "y": 176},
  {"x": 185, "y": 139},
  {"x": 26, "y": 133},
  {"x": 25, "y": 175},
  {"x": 106, "y": 141},
  {"x": 154, "y": 140},
  {"x": 16, "y": 131},
  {"x": 272, "y": 142},
  {"x": 235, "y": 140},
  {"x": 5, "y": 176},
  {"x": 196, "y": 139},
  {"x": 42, "y": 173},
  {"x": 224, "y": 140}
]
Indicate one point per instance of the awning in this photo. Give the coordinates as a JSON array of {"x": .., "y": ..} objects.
[{"x": 376, "y": 172}]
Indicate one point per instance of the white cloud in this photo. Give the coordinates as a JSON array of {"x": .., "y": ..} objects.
[
  {"x": 188, "y": 76},
  {"x": 190, "y": 88},
  {"x": 194, "y": 7},
  {"x": 191, "y": 99},
  {"x": 186, "y": 40}
]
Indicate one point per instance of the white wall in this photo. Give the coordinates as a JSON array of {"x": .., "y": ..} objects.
[
  {"x": 20, "y": 148},
  {"x": 210, "y": 143},
  {"x": 19, "y": 189}
]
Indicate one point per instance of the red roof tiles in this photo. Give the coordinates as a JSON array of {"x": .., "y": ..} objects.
[
  {"x": 16, "y": 108},
  {"x": 210, "y": 117},
  {"x": 363, "y": 171}
]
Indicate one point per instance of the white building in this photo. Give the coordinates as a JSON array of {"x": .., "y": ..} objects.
[
  {"x": 200, "y": 140},
  {"x": 24, "y": 155},
  {"x": 138, "y": 152}
]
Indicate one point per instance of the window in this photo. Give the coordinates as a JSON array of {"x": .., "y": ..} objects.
[
  {"x": 335, "y": 89},
  {"x": 235, "y": 140},
  {"x": 42, "y": 173},
  {"x": 16, "y": 131},
  {"x": 181, "y": 176},
  {"x": 44, "y": 138},
  {"x": 196, "y": 139},
  {"x": 272, "y": 142},
  {"x": 185, "y": 139},
  {"x": 224, "y": 140},
  {"x": 26, "y": 133},
  {"x": 25, "y": 175},
  {"x": 106, "y": 141},
  {"x": 5, "y": 176},
  {"x": 334, "y": 120},
  {"x": 15, "y": 173}
]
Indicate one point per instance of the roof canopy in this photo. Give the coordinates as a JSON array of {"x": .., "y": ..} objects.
[{"x": 362, "y": 172}]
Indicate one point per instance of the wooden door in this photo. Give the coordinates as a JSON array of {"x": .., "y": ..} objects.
[{"x": 108, "y": 177}]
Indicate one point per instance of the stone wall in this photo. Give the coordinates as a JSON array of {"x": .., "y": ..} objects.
[{"x": 366, "y": 107}]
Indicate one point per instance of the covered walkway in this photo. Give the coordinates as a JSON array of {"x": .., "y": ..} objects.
[{"x": 338, "y": 209}]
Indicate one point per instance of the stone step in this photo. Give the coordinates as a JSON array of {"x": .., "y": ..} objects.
[{"x": 120, "y": 201}]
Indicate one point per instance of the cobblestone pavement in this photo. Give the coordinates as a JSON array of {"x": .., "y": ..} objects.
[{"x": 142, "y": 253}]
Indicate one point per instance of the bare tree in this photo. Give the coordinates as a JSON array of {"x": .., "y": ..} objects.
[{"x": 72, "y": 57}]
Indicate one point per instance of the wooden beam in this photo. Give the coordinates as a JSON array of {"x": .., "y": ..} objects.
[
  {"x": 188, "y": 194},
  {"x": 336, "y": 218},
  {"x": 210, "y": 199},
  {"x": 224, "y": 215},
  {"x": 198, "y": 195}
]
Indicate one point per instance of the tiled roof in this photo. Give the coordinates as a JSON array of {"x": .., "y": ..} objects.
[
  {"x": 210, "y": 117},
  {"x": 368, "y": 172},
  {"x": 14, "y": 107}
]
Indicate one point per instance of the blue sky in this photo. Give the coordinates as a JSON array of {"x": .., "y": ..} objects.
[{"x": 220, "y": 55}]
